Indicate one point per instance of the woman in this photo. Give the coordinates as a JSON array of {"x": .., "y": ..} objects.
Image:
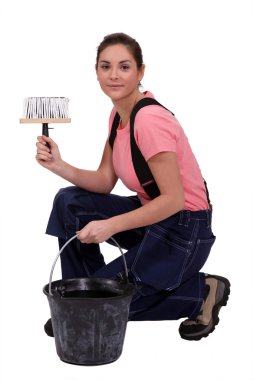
[{"x": 168, "y": 238}]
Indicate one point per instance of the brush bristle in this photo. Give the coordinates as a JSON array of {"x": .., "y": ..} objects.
[{"x": 46, "y": 108}]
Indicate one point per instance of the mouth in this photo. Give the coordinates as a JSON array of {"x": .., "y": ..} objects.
[{"x": 115, "y": 85}]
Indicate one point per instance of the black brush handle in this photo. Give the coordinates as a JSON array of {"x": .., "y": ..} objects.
[{"x": 45, "y": 132}]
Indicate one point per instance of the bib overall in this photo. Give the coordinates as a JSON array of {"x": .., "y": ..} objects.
[{"x": 164, "y": 259}]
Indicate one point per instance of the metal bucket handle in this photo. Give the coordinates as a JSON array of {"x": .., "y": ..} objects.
[{"x": 62, "y": 248}]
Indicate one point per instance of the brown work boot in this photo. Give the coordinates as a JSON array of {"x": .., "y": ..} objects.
[{"x": 217, "y": 292}]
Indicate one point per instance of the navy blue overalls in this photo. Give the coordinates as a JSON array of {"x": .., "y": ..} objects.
[{"x": 164, "y": 259}]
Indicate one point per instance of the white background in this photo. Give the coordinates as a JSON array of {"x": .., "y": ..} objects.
[{"x": 198, "y": 57}]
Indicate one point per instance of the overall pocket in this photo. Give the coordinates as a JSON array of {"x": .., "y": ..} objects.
[
  {"x": 199, "y": 255},
  {"x": 161, "y": 259}
]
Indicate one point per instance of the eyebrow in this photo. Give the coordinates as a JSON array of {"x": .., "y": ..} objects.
[{"x": 124, "y": 61}]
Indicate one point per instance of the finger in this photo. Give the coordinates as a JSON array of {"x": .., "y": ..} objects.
[
  {"x": 42, "y": 147},
  {"x": 46, "y": 139},
  {"x": 78, "y": 235},
  {"x": 43, "y": 156},
  {"x": 85, "y": 239}
]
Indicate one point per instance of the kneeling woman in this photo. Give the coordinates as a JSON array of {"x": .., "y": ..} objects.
[{"x": 168, "y": 238}]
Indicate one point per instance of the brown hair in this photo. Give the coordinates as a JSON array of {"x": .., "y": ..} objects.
[{"x": 124, "y": 39}]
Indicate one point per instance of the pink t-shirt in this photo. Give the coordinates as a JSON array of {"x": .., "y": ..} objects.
[{"x": 157, "y": 130}]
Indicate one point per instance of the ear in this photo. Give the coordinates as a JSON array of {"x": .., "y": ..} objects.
[
  {"x": 96, "y": 71},
  {"x": 141, "y": 72}
]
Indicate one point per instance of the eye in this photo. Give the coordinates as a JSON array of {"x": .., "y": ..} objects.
[
  {"x": 124, "y": 67},
  {"x": 104, "y": 66}
]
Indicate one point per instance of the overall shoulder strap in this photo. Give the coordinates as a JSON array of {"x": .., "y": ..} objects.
[
  {"x": 142, "y": 103},
  {"x": 141, "y": 167},
  {"x": 113, "y": 132}
]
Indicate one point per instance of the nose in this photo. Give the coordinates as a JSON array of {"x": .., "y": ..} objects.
[{"x": 114, "y": 73}]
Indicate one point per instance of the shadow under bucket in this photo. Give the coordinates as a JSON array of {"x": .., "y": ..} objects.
[{"x": 89, "y": 317}]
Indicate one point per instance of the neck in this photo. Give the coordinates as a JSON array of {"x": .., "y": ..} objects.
[{"x": 124, "y": 107}]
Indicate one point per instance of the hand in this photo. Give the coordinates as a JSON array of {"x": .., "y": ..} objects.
[
  {"x": 47, "y": 157},
  {"x": 96, "y": 231}
]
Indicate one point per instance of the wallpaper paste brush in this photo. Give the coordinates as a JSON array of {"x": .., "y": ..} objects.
[{"x": 45, "y": 110}]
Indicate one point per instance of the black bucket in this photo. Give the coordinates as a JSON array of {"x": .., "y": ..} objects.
[{"x": 89, "y": 317}]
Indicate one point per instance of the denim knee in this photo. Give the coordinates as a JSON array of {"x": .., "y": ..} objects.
[{"x": 69, "y": 203}]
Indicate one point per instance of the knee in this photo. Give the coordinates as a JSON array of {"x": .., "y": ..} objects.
[
  {"x": 65, "y": 190},
  {"x": 73, "y": 198},
  {"x": 71, "y": 191},
  {"x": 62, "y": 194}
]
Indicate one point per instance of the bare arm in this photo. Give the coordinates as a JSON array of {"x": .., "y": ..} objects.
[
  {"x": 165, "y": 170},
  {"x": 101, "y": 180}
]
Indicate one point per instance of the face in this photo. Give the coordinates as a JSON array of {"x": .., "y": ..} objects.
[{"x": 117, "y": 73}]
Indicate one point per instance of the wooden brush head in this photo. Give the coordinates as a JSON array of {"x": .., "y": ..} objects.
[{"x": 44, "y": 120}]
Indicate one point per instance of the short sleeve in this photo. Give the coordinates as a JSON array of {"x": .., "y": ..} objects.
[
  {"x": 111, "y": 118},
  {"x": 156, "y": 130}
]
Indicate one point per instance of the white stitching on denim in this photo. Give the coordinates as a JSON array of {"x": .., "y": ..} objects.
[
  {"x": 193, "y": 237},
  {"x": 137, "y": 278},
  {"x": 198, "y": 305},
  {"x": 169, "y": 235},
  {"x": 166, "y": 241},
  {"x": 176, "y": 285},
  {"x": 185, "y": 298}
]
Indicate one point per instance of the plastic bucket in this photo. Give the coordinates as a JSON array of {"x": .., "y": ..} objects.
[{"x": 89, "y": 317}]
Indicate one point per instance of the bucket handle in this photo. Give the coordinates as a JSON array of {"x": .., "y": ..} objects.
[{"x": 62, "y": 248}]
